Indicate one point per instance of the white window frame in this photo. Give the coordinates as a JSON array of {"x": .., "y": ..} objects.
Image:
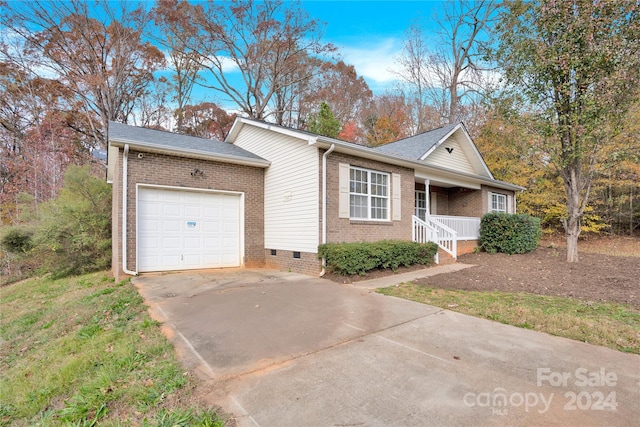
[
  {"x": 421, "y": 204},
  {"x": 366, "y": 193},
  {"x": 498, "y": 202}
]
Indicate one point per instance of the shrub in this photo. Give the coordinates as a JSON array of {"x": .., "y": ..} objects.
[
  {"x": 358, "y": 258},
  {"x": 509, "y": 233},
  {"x": 17, "y": 240},
  {"x": 74, "y": 235}
]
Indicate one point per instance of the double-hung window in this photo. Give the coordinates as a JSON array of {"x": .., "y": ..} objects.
[
  {"x": 368, "y": 194},
  {"x": 498, "y": 202}
]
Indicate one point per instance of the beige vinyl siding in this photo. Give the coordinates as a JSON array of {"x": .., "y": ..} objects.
[
  {"x": 291, "y": 197},
  {"x": 455, "y": 160}
]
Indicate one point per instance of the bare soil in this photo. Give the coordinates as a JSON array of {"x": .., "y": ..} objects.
[{"x": 598, "y": 277}]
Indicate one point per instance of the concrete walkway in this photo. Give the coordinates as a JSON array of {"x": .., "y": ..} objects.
[
  {"x": 395, "y": 279},
  {"x": 290, "y": 350}
]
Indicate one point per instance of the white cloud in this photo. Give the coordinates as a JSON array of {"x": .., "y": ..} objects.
[{"x": 374, "y": 60}]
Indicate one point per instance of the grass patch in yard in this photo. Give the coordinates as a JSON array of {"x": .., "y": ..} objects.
[
  {"x": 84, "y": 351},
  {"x": 611, "y": 325}
]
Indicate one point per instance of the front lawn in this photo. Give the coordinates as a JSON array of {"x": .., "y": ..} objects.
[
  {"x": 596, "y": 300},
  {"x": 611, "y": 325},
  {"x": 83, "y": 351}
]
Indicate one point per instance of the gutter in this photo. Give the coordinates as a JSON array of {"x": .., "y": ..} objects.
[
  {"x": 125, "y": 179},
  {"x": 324, "y": 202},
  {"x": 190, "y": 153}
]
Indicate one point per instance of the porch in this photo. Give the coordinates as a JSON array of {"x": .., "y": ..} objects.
[
  {"x": 446, "y": 231},
  {"x": 448, "y": 215}
]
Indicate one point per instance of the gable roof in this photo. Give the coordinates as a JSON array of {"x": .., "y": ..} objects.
[
  {"x": 419, "y": 147},
  {"x": 158, "y": 141},
  {"x": 414, "y": 147},
  {"x": 422, "y": 168}
]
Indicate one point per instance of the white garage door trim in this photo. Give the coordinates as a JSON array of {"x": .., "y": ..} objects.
[{"x": 196, "y": 225}]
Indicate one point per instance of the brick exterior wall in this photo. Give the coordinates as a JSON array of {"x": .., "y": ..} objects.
[
  {"x": 466, "y": 202},
  {"x": 308, "y": 263},
  {"x": 159, "y": 169},
  {"x": 460, "y": 201},
  {"x": 346, "y": 230},
  {"x": 466, "y": 246}
]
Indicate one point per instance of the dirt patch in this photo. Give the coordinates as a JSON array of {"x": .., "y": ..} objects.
[
  {"x": 544, "y": 271},
  {"x": 604, "y": 276}
]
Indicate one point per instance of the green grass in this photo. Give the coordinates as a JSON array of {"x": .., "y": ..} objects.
[
  {"x": 611, "y": 325},
  {"x": 83, "y": 351}
]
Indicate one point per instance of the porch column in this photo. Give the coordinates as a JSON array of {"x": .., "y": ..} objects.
[{"x": 426, "y": 196}]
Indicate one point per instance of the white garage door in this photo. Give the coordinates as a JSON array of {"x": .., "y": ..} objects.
[{"x": 180, "y": 230}]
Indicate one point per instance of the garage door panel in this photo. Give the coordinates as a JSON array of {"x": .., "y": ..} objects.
[
  {"x": 192, "y": 242},
  {"x": 193, "y": 211},
  {"x": 170, "y": 243},
  {"x": 149, "y": 226},
  {"x": 212, "y": 227},
  {"x": 187, "y": 229},
  {"x": 171, "y": 262},
  {"x": 171, "y": 211},
  {"x": 150, "y": 208}
]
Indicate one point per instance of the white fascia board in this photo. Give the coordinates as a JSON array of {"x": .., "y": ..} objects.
[
  {"x": 443, "y": 139},
  {"x": 268, "y": 126},
  {"x": 420, "y": 168},
  {"x": 196, "y": 154},
  {"x": 478, "y": 157}
]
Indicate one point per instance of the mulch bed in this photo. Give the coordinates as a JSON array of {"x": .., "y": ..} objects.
[{"x": 596, "y": 277}]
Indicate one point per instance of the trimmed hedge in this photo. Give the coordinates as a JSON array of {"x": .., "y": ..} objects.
[
  {"x": 509, "y": 233},
  {"x": 358, "y": 258}
]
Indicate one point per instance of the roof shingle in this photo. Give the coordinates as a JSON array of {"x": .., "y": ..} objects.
[
  {"x": 176, "y": 142},
  {"x": 414, "y": 147}
]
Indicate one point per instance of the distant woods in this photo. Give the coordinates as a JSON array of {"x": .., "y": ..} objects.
[{"x": 68, "y": 67}]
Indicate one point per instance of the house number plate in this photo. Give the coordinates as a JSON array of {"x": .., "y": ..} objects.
[{"x": 191, "y": 224}]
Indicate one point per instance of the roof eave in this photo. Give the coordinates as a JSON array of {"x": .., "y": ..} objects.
[
  {"x": 349, "y": 148},
  {"x": 189, "y": 153}
]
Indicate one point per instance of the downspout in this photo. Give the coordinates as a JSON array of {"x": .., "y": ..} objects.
[
  {"x": 324, "y": 202},
  {"x": 125, "y": 178}
]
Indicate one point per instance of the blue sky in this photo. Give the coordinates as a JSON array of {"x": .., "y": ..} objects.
[{"x": 369, "y": 33}]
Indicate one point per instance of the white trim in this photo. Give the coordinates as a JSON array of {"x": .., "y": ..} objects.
[
  {"x": 506, "y": 206},
  {"x": 371, "y": 196},
  {"x": 417, "y": 208},
  {"x": 440, "y": 141},
  {"x": 241, "y": 224},
  {"x": 324, "y": 203},
  {"x": 421, "y": 170}
]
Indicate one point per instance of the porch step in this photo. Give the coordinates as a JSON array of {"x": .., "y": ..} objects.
[{"x": 445, "y": 257}]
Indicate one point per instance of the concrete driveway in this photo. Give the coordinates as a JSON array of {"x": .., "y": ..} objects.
[{"x": 290, "y": 350}]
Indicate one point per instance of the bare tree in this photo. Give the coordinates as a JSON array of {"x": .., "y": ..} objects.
[
  {"x": 181, "y": 60},
  {"x": 95, "y": 50},
  {"x": 267, "y": 43},
  {"x": 453, "y": 74}
]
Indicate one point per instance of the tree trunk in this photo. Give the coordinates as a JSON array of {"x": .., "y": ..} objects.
[
  {"x": 572, "y": 223},
  {"x": 572, "y": 232}
]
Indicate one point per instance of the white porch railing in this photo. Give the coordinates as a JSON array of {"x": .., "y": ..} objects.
[
  {"x": 432, "y": 231},
  {"x": 466, "y": 227}
]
